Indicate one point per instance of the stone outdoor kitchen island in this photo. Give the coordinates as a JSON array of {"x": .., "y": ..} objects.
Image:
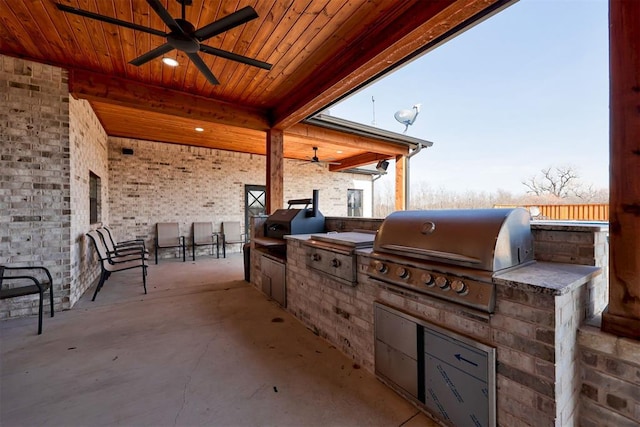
[{"x": 540, "y": 310}]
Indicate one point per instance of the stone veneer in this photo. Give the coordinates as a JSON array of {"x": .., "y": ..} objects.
[
  {"x": 35, "y": 197},
  {"x": 572, "y": 242},
  {"x": 50, "y": 142},
  {"x": 174, "y": 183},
  {"x": 88, "y": 142},
  {"x": 610, "y": 371}
]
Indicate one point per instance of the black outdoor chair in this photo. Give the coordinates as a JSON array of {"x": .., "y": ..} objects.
[
  {"x": 110, "y": 264},
  {"x": 27, "y": 284},
  {"x": 125, "y": 244}
]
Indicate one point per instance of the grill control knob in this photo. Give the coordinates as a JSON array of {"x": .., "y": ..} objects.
[
  {"x": 315, "y": 257},
  {"x": 402, "y": 273},
  {"x": 442, "y": 282},
  {"x": 335, "y": 263},
  {"x": 427, "y": 279},
  {"x": 381, "y": 267},
  {"x": 459, "y": 286}
]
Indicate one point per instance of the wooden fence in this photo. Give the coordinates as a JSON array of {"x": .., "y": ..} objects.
[{"x": 586, "y": 212}]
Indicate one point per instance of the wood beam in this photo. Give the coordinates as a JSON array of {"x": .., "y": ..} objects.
[
  {"x": 108, "y": 89},
  {"x": 408, "y": 29},
  {"x": 401, "y": 189},
  {"x": 275, "y": 170},
  {"x": 622, "y": 316},
  {"x": 359, "y": 160},
  {"x": 310, "y": 134}
]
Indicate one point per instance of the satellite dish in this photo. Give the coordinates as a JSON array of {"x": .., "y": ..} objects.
[{"x": 407, "y": 117}]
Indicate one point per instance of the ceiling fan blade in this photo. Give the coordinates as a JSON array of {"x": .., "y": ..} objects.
[
  {"x": 165, "y": 16},
  {"x": 199, "y": 63},
  {"x": 238, "y": 17},
  {"x": 109, "y": 20},
  {"x": 152, "y": 54},
  {"x": 234, "y": 57}
]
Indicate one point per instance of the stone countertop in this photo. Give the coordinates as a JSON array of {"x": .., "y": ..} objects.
[
  {"x": 540, "y": 277},
  {"x": 352, "y": 238},
  {"x": 297, "y": 237},
  {"x": 547, "y": 277},
  {"x": 569, "y": 225}
]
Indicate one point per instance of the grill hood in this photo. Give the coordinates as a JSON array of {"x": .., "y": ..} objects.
[{"x": 483, "y": 239}]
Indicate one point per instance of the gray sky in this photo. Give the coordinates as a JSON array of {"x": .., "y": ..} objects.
[{"x": 524, "y": 90}]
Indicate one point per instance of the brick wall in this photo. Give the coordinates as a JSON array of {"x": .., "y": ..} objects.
[
  {"x": 341, "y": 314},
  {"x": 610, "y": 371},
  {"x": 35, "y": 211},
  {"x": 173, "y": 183},
  {"x": 569, "y": 243},
  {"x": 88, "y": 149}
]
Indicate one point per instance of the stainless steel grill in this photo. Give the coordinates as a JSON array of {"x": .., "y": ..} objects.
[{"x": 452, "y": 254}]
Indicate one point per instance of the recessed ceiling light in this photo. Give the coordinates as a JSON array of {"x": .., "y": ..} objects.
[
  {"x": 199, "y": 130},
  {"x": 170, "y": 62},
  {"x": 339, "y": 151}
]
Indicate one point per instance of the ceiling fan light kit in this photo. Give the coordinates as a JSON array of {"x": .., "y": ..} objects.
[
  {"x": 183, "y": 36},
  {"x": 170, "y": 61}
]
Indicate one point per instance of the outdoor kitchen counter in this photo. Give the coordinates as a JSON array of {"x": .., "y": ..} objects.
[
  {"x": 298, "y": 236},
  {"x": 547, "y": 277},
  {"x": 539, "y": 308}
]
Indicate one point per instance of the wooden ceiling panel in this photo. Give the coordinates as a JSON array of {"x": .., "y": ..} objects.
[
  {"x": 129, "y": 123},
  {"x": 320, "y": 51},
  {"x": 305, "y": 38}
]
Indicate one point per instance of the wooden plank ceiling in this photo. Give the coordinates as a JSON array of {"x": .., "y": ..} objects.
[{"x": 320, "y": 51}]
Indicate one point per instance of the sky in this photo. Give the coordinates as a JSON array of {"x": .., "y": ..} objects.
[{"x": 525, "y": 90}]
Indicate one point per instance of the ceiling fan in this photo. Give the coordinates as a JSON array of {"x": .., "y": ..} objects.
[
  {"x": 317, "y": 161},
  {"x": 183, "y": 35}
]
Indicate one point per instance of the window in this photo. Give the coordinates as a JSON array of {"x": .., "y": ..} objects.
[
  {"x": 354, "y": 202},
  {"x": 255, "y": 199},
  {"x": 94, "y": 198}
]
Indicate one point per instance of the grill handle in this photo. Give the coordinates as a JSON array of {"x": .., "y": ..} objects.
[{"x": 448, "y": 256}]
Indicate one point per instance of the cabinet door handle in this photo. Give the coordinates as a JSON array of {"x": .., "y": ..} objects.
[
  {"x": 315, "y": 257},
  {"x": 335, "y": 262}
]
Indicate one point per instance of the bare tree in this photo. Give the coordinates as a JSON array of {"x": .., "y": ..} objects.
[
  {"x": 560, "y": 181},
  {"x": 560, "y": 185}
]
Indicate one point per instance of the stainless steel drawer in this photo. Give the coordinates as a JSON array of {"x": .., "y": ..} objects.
[
  {"x": 397, "y": 332},
  {"x": 397, "y": 367}
]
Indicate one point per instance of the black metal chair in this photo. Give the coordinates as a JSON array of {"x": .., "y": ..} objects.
[
  {"x": 34, "y": 286},
  {"x": 110, "y": 264},
  {"x": 168, "y": 236},
  {"x": 125, "y": 244},
  {"x": 114, "y": 250}
]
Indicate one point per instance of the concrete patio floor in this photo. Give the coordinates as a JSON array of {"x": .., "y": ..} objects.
[{"x": 203, "y": 347}]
